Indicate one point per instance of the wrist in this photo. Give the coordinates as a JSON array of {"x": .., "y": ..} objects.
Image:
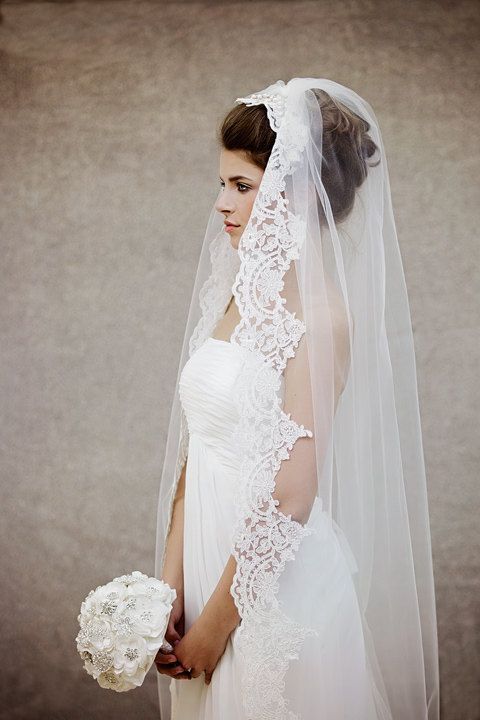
[
  {"x": 220, "y": 619},
  {"x": 175, "y": 581}
]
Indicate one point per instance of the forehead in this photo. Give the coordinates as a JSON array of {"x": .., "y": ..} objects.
[{"x": 234, "y": 163}]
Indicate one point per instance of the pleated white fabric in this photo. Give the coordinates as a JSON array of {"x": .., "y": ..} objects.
[{"x": 317, "y": 687}]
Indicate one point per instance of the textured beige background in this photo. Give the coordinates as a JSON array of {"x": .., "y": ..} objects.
[{"x": 109, "y": 168}]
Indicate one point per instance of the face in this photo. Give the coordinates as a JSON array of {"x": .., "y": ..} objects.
[{"x": 240, "y": 180}]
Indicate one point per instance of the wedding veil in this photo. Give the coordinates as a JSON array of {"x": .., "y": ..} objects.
[{"x": 328, "y": 413}]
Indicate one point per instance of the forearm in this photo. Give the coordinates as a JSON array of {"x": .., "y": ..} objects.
[
  {"x": 220, "y": 608},
  {"x": 173, "y": 565}
]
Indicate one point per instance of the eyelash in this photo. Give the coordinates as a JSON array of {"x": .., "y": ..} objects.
[{"x": 222, "y": 184}]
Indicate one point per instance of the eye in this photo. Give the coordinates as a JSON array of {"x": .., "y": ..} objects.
[{"x": 240, "y": 186}]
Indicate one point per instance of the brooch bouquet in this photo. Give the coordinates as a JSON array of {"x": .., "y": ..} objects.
[{"x": 122, "y": 627}]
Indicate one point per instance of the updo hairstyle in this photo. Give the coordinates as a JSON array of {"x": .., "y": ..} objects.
[{"x": 346, "y": 149}]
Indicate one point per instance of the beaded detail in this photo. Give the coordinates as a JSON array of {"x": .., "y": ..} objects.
[{"x": 274, "y": 100}]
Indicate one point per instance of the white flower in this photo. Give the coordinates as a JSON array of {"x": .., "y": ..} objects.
[
  {"x": 95, "y": 635},
  {"x": 112, "y": 681},
  {"x": 103, "y": 600},
  {"x": 130, "y": 655}
]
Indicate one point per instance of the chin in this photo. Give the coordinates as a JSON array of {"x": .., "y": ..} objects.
[{"x": 234, "y": 241}]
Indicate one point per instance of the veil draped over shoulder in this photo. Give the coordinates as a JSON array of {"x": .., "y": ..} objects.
[{"x": 328, "y": 408}]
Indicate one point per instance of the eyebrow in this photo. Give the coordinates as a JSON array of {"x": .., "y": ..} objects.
[{"x": 239, "y": 177}]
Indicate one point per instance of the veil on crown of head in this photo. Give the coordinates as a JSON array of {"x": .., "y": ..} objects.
[{"x": 329, "y": 378}]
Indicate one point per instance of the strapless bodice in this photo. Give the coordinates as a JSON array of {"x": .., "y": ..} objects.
[{"x": 206, "y": 393}]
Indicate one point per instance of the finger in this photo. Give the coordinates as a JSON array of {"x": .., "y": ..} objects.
[
  {"x": 173, "y": 672},
  {"x": 173, "y": 663},
  {"x": 180, "y": 671},
  {"x": 172, "y": 635},
  {"x": 175, "y": 636},
  {"x": 164, "y": 652},
  {"x": 183, "y": 676},
  {"x": 169, "y": 671},
  {"x": 165, "y": 659}
]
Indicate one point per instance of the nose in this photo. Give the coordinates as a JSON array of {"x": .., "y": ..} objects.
[{"x": 224, "y": 203}]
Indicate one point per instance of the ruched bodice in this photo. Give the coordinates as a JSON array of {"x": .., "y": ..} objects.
[{"x": 205, "y": 389}]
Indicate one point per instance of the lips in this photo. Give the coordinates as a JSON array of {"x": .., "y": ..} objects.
[{"x": 229, "y": 224}]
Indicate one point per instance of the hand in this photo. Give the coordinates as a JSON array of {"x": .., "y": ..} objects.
[
  {"x": 166, "y": 662},
  {"x": 202, "y": 647}
]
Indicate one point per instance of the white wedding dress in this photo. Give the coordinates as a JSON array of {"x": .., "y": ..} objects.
[{"x": 317, "y": 688}]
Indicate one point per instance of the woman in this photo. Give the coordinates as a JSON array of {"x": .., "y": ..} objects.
[{"x": 293, "y": 516}]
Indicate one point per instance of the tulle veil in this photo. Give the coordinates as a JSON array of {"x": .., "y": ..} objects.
[{"x": 301, "y": 277}]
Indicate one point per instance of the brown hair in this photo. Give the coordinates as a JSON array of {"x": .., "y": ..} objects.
[{"x": 346, "y": 146}]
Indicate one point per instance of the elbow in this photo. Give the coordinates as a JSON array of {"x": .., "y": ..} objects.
[
  {"x": 304, "y": 516},
  {"x": 298, "y": 511}
]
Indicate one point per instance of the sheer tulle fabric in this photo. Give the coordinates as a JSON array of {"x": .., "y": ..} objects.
[{"x": 328, "y": 422}]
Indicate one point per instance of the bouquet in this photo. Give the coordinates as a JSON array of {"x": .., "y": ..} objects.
[{"x": 122, "y": 627}]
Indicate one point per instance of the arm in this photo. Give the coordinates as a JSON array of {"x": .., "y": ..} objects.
[
  {"x": 172, "y": 572},
  {"x": 220, "y": 610},
  {"x": 296, "y": 480}
]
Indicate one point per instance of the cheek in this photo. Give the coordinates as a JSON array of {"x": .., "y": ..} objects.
[{"x": 248, "y": 205}]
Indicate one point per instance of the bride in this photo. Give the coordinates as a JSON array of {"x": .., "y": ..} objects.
[{"x": 293, "y": 515}]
